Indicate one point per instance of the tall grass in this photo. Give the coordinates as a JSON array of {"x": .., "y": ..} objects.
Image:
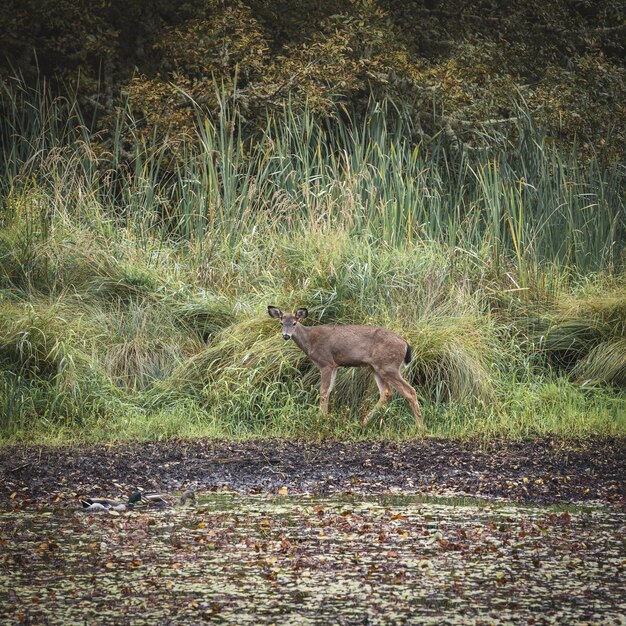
[{"x": 134, "y": 275}]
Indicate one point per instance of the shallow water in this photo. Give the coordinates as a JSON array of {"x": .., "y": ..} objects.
[{"x": 280, "y": 559}]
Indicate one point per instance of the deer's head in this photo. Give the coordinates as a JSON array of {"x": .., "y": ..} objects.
[{"x": 288, "y": 321}]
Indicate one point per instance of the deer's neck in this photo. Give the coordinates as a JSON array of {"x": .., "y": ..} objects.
[{"x": 302, "y": 339}]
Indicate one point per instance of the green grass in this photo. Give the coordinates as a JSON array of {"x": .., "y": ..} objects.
[{"x": 133, "y": 292}]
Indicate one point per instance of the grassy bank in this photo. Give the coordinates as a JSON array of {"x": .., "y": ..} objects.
[{"x": 134, "y": 278}]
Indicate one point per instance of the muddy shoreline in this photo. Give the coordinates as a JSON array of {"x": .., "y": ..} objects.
[{"x": 542, "y": 471}]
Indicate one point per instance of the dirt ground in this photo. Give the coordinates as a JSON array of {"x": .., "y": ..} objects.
[{"x": 545, "y": 471}]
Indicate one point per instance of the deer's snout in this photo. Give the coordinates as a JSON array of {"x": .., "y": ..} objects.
[{"x": 286, "y": 336}]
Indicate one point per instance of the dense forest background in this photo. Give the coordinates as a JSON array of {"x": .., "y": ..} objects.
[{"x": 456, "y": 68}]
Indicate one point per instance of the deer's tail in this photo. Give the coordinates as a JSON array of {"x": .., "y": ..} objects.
[{"x": 408, "y": 356}]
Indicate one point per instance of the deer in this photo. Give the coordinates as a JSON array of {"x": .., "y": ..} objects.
[{"x": 331, "y": 347}]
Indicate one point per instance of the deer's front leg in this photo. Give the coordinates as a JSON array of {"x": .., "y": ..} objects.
[{"x": 328, "y": 375}]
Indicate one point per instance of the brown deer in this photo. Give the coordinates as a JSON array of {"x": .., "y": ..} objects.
[{"x": 330, "y": 347}]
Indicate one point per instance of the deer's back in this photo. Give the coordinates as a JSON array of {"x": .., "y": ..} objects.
[{"x": 352, "y": 345}]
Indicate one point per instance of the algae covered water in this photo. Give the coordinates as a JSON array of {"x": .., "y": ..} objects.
[{"x": 280, "y": 559}]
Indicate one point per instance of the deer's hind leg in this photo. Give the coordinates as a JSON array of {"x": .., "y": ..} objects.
[
  {"x": 395, "y": 379},
  {"x": 385, "y": 393}
]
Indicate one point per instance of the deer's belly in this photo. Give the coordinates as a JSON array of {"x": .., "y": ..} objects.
[{"x": 347, "y": 360}]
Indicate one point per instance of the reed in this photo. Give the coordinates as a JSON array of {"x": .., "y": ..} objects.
[{"x": 134, "y": 281}]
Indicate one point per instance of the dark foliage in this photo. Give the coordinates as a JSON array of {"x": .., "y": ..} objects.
[{"x": 454, "y": 67}]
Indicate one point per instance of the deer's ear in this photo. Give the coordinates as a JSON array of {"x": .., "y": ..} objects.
[
  {"x": 301, "y": 314},
  {"x": 274, "y": 312}
]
